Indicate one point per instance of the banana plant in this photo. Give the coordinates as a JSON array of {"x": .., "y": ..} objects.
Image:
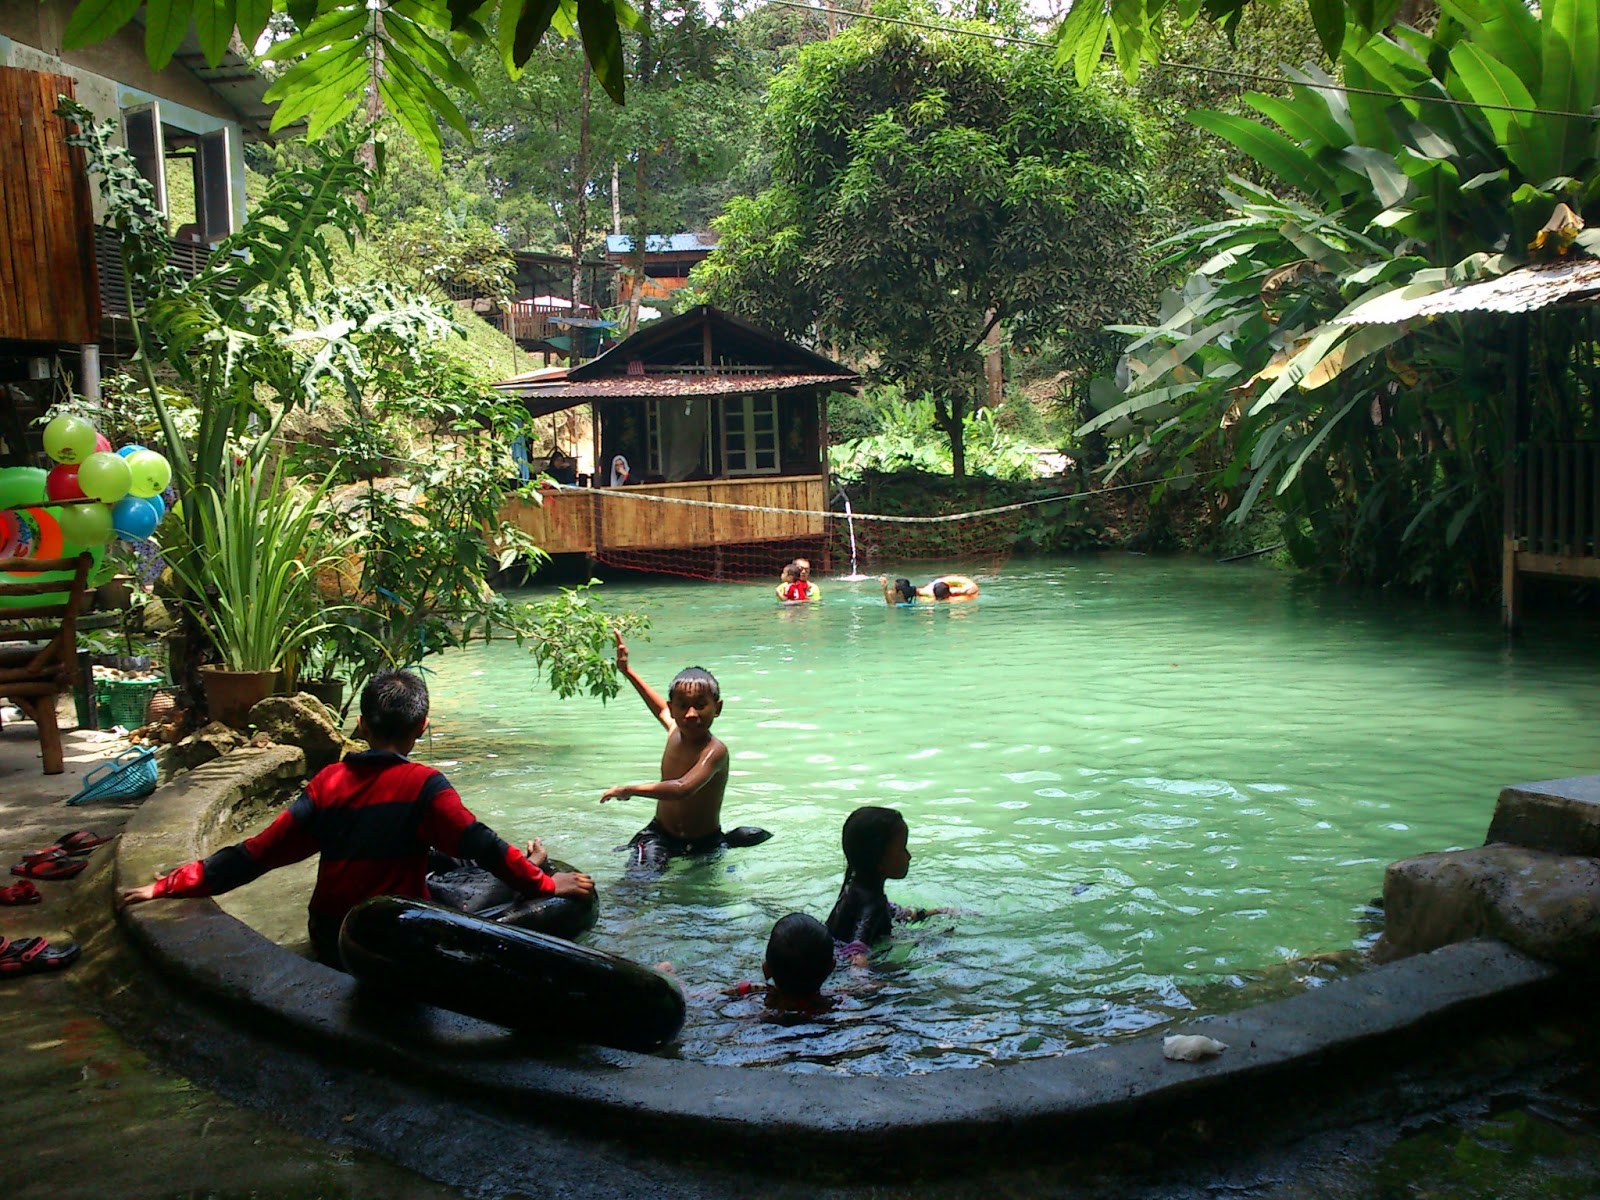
[{"x": 1438, "y": 165}]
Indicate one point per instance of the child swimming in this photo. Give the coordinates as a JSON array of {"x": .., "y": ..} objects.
[
  {"x": 799, "y": 960},
  {"x": 875, "y": 849},
  {"x": 694, "y": 771}
]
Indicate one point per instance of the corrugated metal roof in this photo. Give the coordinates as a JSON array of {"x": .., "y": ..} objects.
[
  {"x": 662, "y": 243},
  {"x": 1522, "y": 290},
  {"x": 552, "y": 397}
]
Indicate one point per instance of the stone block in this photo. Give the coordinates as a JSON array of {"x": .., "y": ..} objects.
[
  {"x": 304, "y": 721},
  {"x": 1560, "y": 815},
  {"x": 1546, "y": 905}
]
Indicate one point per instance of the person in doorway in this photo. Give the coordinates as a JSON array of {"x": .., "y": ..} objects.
[
  {"x": 694, "y": 771},
  {"x": 619, "y": 471},
  {"x": 373, "y": 816}
]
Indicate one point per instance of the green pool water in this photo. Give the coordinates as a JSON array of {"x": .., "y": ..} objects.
[{"x": 1153, "y": 789}]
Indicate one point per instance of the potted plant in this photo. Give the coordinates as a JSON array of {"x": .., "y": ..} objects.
[{"x": 248, "y": 560}]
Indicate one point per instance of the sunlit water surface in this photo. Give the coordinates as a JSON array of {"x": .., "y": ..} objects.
[{"x": 1153, "y": 789}]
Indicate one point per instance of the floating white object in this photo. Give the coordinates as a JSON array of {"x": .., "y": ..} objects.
[{"x": 1191, "y": 1047}]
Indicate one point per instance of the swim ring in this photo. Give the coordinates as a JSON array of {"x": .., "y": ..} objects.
[{"x": 513, "y": 977}]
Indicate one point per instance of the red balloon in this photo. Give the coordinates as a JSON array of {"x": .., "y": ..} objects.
[
  {"x": 62, "y": 483},
  {"x": 101, "y": 443}
]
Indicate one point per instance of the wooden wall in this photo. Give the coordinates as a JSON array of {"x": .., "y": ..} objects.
[
  {"x": 48, "y": 289},
  {"x": 584, "y": 521}
]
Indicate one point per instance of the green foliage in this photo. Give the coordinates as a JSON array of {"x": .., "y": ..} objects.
[
  {"x": 1140, "y": 31},
  {"x": 250, "y": 569},
  {"x": 404, "y": 49},
  {"x": 905, "y": 435},
  {"x": 421, "y": 476},
  {"x": 1381, "y": 444},
  {"x": 925, "y": 188}
]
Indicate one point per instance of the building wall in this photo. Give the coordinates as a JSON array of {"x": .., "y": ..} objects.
[{"x": 114, "y": 75}]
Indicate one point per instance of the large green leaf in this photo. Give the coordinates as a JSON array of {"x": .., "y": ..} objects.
[
  {"x": 1506, "y": 29},
  {"x": 1329, "y": 421},
  {"x": 428, "y": 52},
  {"x": 213, "y": 25},
  {"x": 1305, "y": 121},
  {"x": 95, "y": 20},
  {"x": 1571, "y": 60},
  {"x": 1272, "y": 150},
  {"x": 1082, "y": 37},
  {"x": 251, "y": 17},
  {"x": 1520, "y": 134},
  {"x": 602, "y": 43},
  {"x": 1328, "y": 18}
]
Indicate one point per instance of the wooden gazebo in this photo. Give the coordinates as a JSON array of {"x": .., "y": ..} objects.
[{"x": 724, "y": 428}]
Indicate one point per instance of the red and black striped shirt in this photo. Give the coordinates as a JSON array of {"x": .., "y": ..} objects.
[{"x": 373, "y": 817}]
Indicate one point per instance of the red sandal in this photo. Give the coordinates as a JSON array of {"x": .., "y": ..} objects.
[
  {"x": 80, "y": 842},
  {"x": 23, "y": 892},
  {"x": 56, "y": 866}
]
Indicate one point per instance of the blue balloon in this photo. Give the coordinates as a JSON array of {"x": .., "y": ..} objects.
[
  {"x": 157, "y": 503},
  {"x": 134, "y": 518},
  {"x": 130, "y": 449}
]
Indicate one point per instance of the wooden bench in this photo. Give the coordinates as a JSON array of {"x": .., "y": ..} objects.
[{"x": 34, "y": 674}]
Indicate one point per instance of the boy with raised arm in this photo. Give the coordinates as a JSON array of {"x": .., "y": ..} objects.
[
  {"x": 373, "y": 817},
  {"x": 694, "y": 771}
]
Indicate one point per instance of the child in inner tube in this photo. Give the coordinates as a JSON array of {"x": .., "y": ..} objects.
[
  {"x": 945, "y": 587},
  {"x": 373, "y": 816},
  {"x": 875, "y": 842}
]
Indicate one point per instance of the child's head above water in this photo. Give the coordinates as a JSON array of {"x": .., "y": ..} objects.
[
  {"x": 799, "y": 955},
  {"x": 941, "y": 590},
  {"x": 695, "y": 701},
  {"x": 394, "y": 707},
  {"x": 791, "y": 573},
  {"x": 874, "y": 841},
  {"x": 906, "y": 590}
]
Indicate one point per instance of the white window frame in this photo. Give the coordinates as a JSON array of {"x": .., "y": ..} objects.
[{"x": 739, "y": 417}]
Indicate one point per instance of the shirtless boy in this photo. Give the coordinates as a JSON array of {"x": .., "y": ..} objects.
[{"x": 694, "y": 771}]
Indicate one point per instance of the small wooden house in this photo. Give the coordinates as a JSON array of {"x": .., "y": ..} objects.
[
  {"x": 724, "y": 429},
  {"x": 62, "y": 294},
  {"x": 668, "y": 259}
]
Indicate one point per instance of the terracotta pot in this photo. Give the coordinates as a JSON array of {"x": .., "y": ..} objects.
[{"x": 230, "y": 695}]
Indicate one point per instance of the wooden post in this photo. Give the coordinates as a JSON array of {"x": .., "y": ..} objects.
[{"x": 1508, "y": 478}]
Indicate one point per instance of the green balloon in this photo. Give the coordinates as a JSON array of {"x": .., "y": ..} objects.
[
  {"x": 69, "y": 439},
  {"x": 105, "y": 476},
  {"x": 151, "y": 473},
  {"x": 85, "y": 524},
  {"x": 21, "y": 485}
]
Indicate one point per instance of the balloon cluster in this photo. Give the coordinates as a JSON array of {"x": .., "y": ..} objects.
[{"x": 122, "y": 489}]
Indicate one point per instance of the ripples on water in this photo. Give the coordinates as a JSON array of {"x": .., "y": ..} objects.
[{"x": 1153, "y": 789}]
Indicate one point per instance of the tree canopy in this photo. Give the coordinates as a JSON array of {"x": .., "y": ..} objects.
[{"x": 925, "y": 188}]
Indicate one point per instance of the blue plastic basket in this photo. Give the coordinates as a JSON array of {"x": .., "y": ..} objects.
[{"x": 131, "y": 775}]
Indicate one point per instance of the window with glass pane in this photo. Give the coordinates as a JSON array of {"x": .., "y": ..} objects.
[{"x": 750, "y": 435}]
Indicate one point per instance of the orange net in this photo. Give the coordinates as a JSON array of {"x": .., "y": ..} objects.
[{"x": 744, "y": 543}]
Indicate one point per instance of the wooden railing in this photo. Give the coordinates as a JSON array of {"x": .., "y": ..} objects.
[
  {"x": 588, "y": 520},
  {"x": 1557, "y": 512}
]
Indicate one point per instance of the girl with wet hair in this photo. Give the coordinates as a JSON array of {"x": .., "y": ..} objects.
[{"x": 875, "y": 850}]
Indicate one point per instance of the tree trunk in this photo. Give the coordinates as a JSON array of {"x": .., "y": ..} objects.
[
  {"x": 993, "y": 367},
  {"x": 368, "y": 156},
  {"x": 947, "y": 414},
  {"x": 580, "y": 210},
  {"x": 616, "y": 200},
  {"x": 641, "y": 220}
]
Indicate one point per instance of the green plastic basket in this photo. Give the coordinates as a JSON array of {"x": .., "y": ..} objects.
[{"x": 127, "y": 699}]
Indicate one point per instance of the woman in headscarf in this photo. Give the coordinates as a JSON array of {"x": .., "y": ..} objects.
[{"x": 619, "y": 471}]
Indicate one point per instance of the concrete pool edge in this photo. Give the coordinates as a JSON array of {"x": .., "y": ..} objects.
[{"x": 1370, "y": 1021}]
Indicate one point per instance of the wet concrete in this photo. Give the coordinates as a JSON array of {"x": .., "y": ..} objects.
[{"x": 86, "y": 1112}]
